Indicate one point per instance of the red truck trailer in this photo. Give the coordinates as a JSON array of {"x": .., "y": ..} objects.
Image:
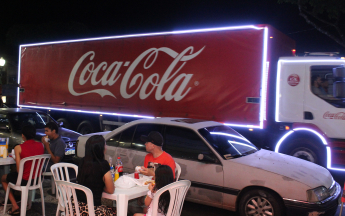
[{"x": 234, "y": 75}]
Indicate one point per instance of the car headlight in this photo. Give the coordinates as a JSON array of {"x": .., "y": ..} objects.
[{"x": 317, "y": 194}]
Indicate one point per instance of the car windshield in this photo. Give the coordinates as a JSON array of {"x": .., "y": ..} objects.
[
  {"x": 39, "y": 120},
  {"x": 228, "y": 143}
]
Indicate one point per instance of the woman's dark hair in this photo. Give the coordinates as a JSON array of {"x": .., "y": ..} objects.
[
  {"x": 94, "y": 152},
  {"x": 163, "y": 176}
]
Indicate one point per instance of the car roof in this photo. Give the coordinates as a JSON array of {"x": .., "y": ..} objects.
[
  {"x": 17, "y": 110},
  {"x": 182, "y": 122}
]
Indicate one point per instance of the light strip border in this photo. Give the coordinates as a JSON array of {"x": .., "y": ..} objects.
[
  {"x": 264, "y": 78},
  {"x": 90, "y": 112},
  {"x": 328, "y": 149}
]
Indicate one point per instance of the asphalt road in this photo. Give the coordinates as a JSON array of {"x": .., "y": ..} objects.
[{"x": 193, "y": 209}]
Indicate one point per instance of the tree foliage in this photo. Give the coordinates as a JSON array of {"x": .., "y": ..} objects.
[{"x": 327, "y": 16}]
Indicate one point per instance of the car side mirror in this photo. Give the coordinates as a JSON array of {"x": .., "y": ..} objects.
[
  {"x": 5, "y": 127},
  {"x": 206, "y": 158}
]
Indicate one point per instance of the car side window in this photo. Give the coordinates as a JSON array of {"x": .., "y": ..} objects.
[
  {"x": 114, "y": 141},
  {"x": 4, "y": 125},
  {"x": 125, "y": 140},
  {"x": 144, "y": 129},
  {"x": 185, "y": 143}
]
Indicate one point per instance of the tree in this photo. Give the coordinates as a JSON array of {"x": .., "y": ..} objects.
[{"x": 327, "y": 16}]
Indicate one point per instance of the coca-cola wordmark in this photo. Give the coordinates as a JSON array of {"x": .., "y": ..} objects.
[
  {"x": 111, "y": 75},
  {"x": 337, "y": 116}
]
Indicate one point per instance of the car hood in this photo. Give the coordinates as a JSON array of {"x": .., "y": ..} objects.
[{"x": 294, "y": 168}]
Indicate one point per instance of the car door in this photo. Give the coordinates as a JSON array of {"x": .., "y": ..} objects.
[
  {"x": 129, "y": 147},
  {"x": 184, "y": 145}
]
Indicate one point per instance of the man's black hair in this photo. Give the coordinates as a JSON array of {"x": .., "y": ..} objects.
[
  {"x": 29, "y": 131},
  {"x": 52, "y": 127}
]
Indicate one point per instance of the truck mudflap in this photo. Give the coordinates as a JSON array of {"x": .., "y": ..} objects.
[{"x": 327, "y": 207}]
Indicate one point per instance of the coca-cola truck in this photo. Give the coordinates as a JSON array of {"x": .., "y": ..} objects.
[{"x": 246, "y": 77}]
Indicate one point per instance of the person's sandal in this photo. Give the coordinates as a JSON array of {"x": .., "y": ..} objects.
[{"x": 15, "y": 212}]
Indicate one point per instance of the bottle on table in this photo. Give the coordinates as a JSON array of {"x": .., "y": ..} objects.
[
  {"x": 116, "y": 175},
  {"x": 112, "y": 172},
  {"x": 119, "y": 166}
]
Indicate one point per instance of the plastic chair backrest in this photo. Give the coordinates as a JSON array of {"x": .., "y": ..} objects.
[
  {"x": 60, "y": 171},
  {"x": 177, "y": 171},
  {"x": 67, "y": 191},
  {"x": 178, "y": 191},
  {"x": 35, "y": 177}
]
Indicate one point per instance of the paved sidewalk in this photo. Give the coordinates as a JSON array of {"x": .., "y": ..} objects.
[{"x": 189, "y": 209}]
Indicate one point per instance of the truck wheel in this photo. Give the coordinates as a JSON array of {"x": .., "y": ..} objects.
[
  {"x": 261, "y": 202},
  {"x": 304, "y": 149},
  {"x": 65, "y": 123},
  {"x": 85, "y": 127}
]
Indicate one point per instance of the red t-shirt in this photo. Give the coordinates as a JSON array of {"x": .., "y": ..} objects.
[
  {"x": 30, "y": 148},
  {"x": 163, "y": 159}
]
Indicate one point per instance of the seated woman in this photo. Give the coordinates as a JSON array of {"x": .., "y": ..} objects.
[{"x": 94, "y": 173}]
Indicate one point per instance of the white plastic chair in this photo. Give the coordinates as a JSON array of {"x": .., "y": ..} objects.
[
  {"x": 178, "y": 191},
  {"x": 59, "y": 171},
  {"x": 66, "y": 191},
  {"x": 177, "y": 171},
  {"x": 37, "y": 161},
  {"x": 49, "y": 174}
]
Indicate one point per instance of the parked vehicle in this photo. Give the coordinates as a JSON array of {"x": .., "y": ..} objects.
[
  {"x": 234, "y": 75},
  {"x": 12, "y": 120},
  {"x": 226, "y": 170}
]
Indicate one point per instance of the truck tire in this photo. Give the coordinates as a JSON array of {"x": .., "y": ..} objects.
[
  {"x": 85, "y": 127},
  {"x": 261, "y": 202},
  {"x": 66, "y": 124},
  {"x": 307, "y": 149}
]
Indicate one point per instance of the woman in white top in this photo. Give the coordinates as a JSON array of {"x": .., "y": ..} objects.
[{"x": 163, "y": 177}]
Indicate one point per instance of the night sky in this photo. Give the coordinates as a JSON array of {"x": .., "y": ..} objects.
[{"x": 40, "y": 21}]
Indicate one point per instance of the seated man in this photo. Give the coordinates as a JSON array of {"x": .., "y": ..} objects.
[
  {"x": 56, "y": 147},
  {"x": 156, "y": 156},
  {"x": 29, "y": 148}
]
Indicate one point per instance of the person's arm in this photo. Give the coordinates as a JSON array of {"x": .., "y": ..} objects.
[
  {"x": 109, "y": 184},
  {"x": 55, "y": 159},
  {"x": 149, "y": 197},
  {"x": 147, "y": 171},
  {"x": 17, "y": 152}
]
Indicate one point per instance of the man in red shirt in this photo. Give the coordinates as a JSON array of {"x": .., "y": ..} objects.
[
  {"x": 27, "y": 149},
  {"x": 156, "y": 156}
]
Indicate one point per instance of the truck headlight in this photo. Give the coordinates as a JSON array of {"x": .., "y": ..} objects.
[{"x": 317, "y": 194}]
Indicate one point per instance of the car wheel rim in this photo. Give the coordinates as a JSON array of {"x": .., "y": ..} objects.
[
  {"x": 259, "y": 206},
  {"x": 305, "y": 155}
]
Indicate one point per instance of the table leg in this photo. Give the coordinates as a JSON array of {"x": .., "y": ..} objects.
[{"x": 122, "y": 205}]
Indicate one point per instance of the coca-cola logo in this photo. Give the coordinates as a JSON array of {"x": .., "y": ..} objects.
[
  {"x": 337, "y": 116},
  {"x": 293, "y": 80},
  {"x": 178, "y": 82}
]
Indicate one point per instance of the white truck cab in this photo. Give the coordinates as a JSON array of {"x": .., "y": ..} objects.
[{"x": 310, "y": 95}]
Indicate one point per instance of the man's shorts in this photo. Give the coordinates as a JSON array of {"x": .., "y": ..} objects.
[{"x": 12, "y": 177}]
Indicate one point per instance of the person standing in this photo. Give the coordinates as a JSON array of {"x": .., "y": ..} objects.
[
  {"x": 56, "y": 147},
  {"x": 156, "y": 156},
  {"x": 27, "y": 149}
]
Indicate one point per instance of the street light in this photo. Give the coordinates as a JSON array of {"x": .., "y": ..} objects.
[{"x": 2, "y": 62}]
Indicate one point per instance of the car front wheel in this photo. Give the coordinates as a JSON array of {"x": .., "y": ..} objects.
[{"x": 260, "y": 202}]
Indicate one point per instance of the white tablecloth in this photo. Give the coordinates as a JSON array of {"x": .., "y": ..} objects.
[
  {"x": 122, "y": 196},
  {"x": 6, "y": 162}
]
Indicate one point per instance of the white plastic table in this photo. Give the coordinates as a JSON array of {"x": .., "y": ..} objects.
[
  {"x": 6, "y": 162},
  {"x": 123, "y": 195}
]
